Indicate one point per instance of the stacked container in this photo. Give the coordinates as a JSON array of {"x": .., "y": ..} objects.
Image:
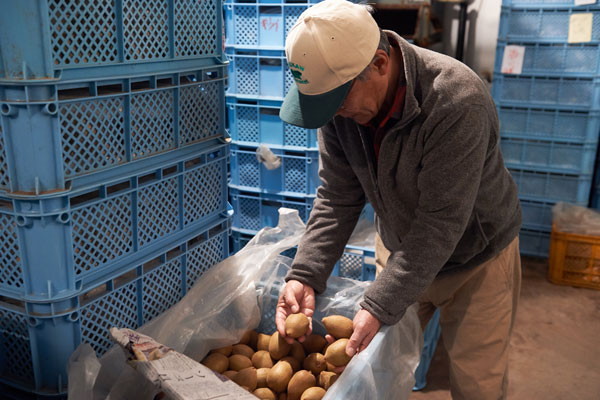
[
  {"x": 113, "y": 169},
  {"x": 550, "y": 112}
]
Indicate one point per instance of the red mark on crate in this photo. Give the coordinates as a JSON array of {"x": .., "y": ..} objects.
[{"x": 269, "y": 24}]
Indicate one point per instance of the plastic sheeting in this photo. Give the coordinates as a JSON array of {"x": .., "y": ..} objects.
[
  {"x": 575, "y": 219},
  {"x": 241, "y": 293}
]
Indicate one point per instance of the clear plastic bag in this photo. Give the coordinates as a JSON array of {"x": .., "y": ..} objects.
[
  {"x": 241, "y": 293},
  {"x": 575, "y": 219},
  {"x": 267, "y": 157}
]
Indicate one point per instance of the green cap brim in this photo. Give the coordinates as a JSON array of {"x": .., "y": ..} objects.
[{"x": 312, "y": 112}]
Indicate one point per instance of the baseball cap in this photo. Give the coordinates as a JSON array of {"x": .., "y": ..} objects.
[{"x": 331, "y": 43}]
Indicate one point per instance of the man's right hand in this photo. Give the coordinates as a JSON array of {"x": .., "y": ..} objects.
[{"x": 295, "y": 297}]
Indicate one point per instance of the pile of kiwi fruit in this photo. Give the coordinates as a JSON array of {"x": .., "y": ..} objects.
[{"x": 273, "y": 369}]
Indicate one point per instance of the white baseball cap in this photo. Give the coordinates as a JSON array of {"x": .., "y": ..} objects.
[{"x": 331, "y": 44}]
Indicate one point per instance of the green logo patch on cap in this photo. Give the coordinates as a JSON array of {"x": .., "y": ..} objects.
[{"x": 297, "y": 73}]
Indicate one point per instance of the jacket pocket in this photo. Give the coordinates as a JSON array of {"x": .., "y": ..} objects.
[{"x": 473, "y": 242}]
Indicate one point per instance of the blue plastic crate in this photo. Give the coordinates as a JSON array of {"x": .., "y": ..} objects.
[
  {"x": 298, "y": 173},
  {"x": 548, "y": 156},
  {"x": 253, "y": 122},
  {"x": 65, "y": 136},
  {"x": 38, "y": 338},
  {"x": 540, "y": 3},
  {"x": 534, "y": 243},
  {"x": 549, "y": 124},
  {"x": 53, "y": 246},
  {"x": 550, "y": 187},
  {"x": 537, "y": 215},
  {"x": 253, "y": 211},
  {"x": 565, "y": 59},
  {"x": 255, "y": 74},
  {"x": 543, "y": 24},
  {"x": 261, "y": 24},
  {"x": 541, "y": 91},
  {"x": 78, "y": 39}
]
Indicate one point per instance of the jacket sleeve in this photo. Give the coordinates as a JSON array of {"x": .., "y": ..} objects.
[
  {"x": 454, "y": 154},
  {"x": 336, "y": 209}
]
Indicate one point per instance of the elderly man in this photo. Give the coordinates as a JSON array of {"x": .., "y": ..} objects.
[{"x": 415, "y": 133}]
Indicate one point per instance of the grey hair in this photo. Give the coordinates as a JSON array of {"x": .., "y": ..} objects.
[{"x": 384, "y": 44}]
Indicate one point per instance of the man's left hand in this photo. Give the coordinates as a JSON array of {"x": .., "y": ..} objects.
[{"x": 365, "y": 328}]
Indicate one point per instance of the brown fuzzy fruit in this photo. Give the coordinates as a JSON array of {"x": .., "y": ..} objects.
[
  {"x": 253, "y": 339},
  {"x": 301, "y": 381},
  {"x": 313, "y": 393},
  {"x": 282, "y": 396},
  {"x": 294, "y": 363},
  {"x": 246, "y": 337},
  {"x": 296, "y": 325},
  {"x": 297, "y": 351},
  {"x": 264, "y": 394},
  {"x": 338, "y": 326},
  {"x": 261, "y": 377},
  {"x": 247, "y": 378},
  {"x": 336, "y": 353},
  {"x": 330, "y": 366},
  {"x": 262, "y": 342},
  {"x": 226, "y": 351},
  {"x": 238, "y": 362},
  {"x": 242, "y": 349},
  {"x": 262, "y": 359},
  {"x": 278, "y": 347},
  {"x": 314, "y": 343},
  {"x": 326, "y": 379},
  {"x": 279, "y": 376},
  {"x": 315, "y": 363},
  {"x": 230, "y": 373},
  {"x": 217, "y": 362}
]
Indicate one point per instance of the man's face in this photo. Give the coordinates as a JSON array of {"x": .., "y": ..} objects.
[{"x": 365, "y": 98}]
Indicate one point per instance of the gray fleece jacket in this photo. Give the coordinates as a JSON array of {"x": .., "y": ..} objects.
[{"x": 441, "y": 193}]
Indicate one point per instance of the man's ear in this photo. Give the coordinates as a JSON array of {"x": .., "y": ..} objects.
[{"x": 381, "y": 62}]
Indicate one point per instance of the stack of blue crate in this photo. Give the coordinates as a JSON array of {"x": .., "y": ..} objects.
[
  {"x": 550, "y": 112},
  {"x": 113, "y": 171}
]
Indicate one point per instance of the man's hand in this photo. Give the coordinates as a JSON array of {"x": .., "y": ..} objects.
[
  {"x": 365, "y": 328},
  {"x": 296, "y": 297}
]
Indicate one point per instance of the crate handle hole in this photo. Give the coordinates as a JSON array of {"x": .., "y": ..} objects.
[
  {"x": 74, "y": 316},
  {"x": 32, "y": 321},
  {"x": 51, "y": 109},
  {"x": 23, "y": 221},
  {"x": 63, "y": 218},
  {"x": 7, "y": 110}
]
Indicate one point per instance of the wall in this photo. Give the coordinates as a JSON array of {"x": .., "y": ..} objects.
[{"x": 480, "y": 35}]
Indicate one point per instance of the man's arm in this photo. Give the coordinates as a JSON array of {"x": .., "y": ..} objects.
[
  {"x": 453, "y": 160},
  {"x": 340, "y": 200}
]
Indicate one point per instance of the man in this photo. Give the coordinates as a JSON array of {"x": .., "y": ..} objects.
[{"x": 416, "y": 134}]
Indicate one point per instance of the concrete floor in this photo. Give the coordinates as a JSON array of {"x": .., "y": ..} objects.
[{"x": 555, "y": 348}]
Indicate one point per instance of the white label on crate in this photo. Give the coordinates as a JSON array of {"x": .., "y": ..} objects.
[
  {"x": 583, "y": 2},
  {"x": 512, "y": 61},
  {"x": 580, "y": 27}
]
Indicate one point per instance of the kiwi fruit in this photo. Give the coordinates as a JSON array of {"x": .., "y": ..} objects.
[
  {"x": 246, "y": 377},
  {"x": 253, "y": 339},
  {"x": 262, "y": 359},
  {"x": 296, "y": 325},
  {"x": 261, "y": 377},
  {"x": 330, "y": 366},
  {"x": 262, "y": 342},
  {"x": 314, "y": 343},
  {"x": 242, "y": 349},
  {"x": 226, "y": 351},
  {"x": 294, "y": 363},
  {"x": 297, "y": 351},
  {"x": 336, "y": 353},
  {"x": 326, "y": 379},
  {"x": 246, "y": 337},
  {"x": 238, "y": 362},
  {"x": 278, "y": 347},
  {"x": 216, "y": 362},
  {"x": 230, "y": 373},
  {"x": 338, "y": 326},
  {"x": 264, "y": 394},
  {"x": 279, "y": 376},
  {"x": 315, "y": 363},
  {"x": 301, "y": 381},
  {"x": 282, "y": 396},
  {"x": 313, "y": 393}
]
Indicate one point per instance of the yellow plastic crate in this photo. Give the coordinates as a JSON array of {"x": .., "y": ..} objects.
[{"x": 574, "y": 259}]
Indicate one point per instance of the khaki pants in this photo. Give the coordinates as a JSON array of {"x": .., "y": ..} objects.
[{"x": 477, "y": 313}]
